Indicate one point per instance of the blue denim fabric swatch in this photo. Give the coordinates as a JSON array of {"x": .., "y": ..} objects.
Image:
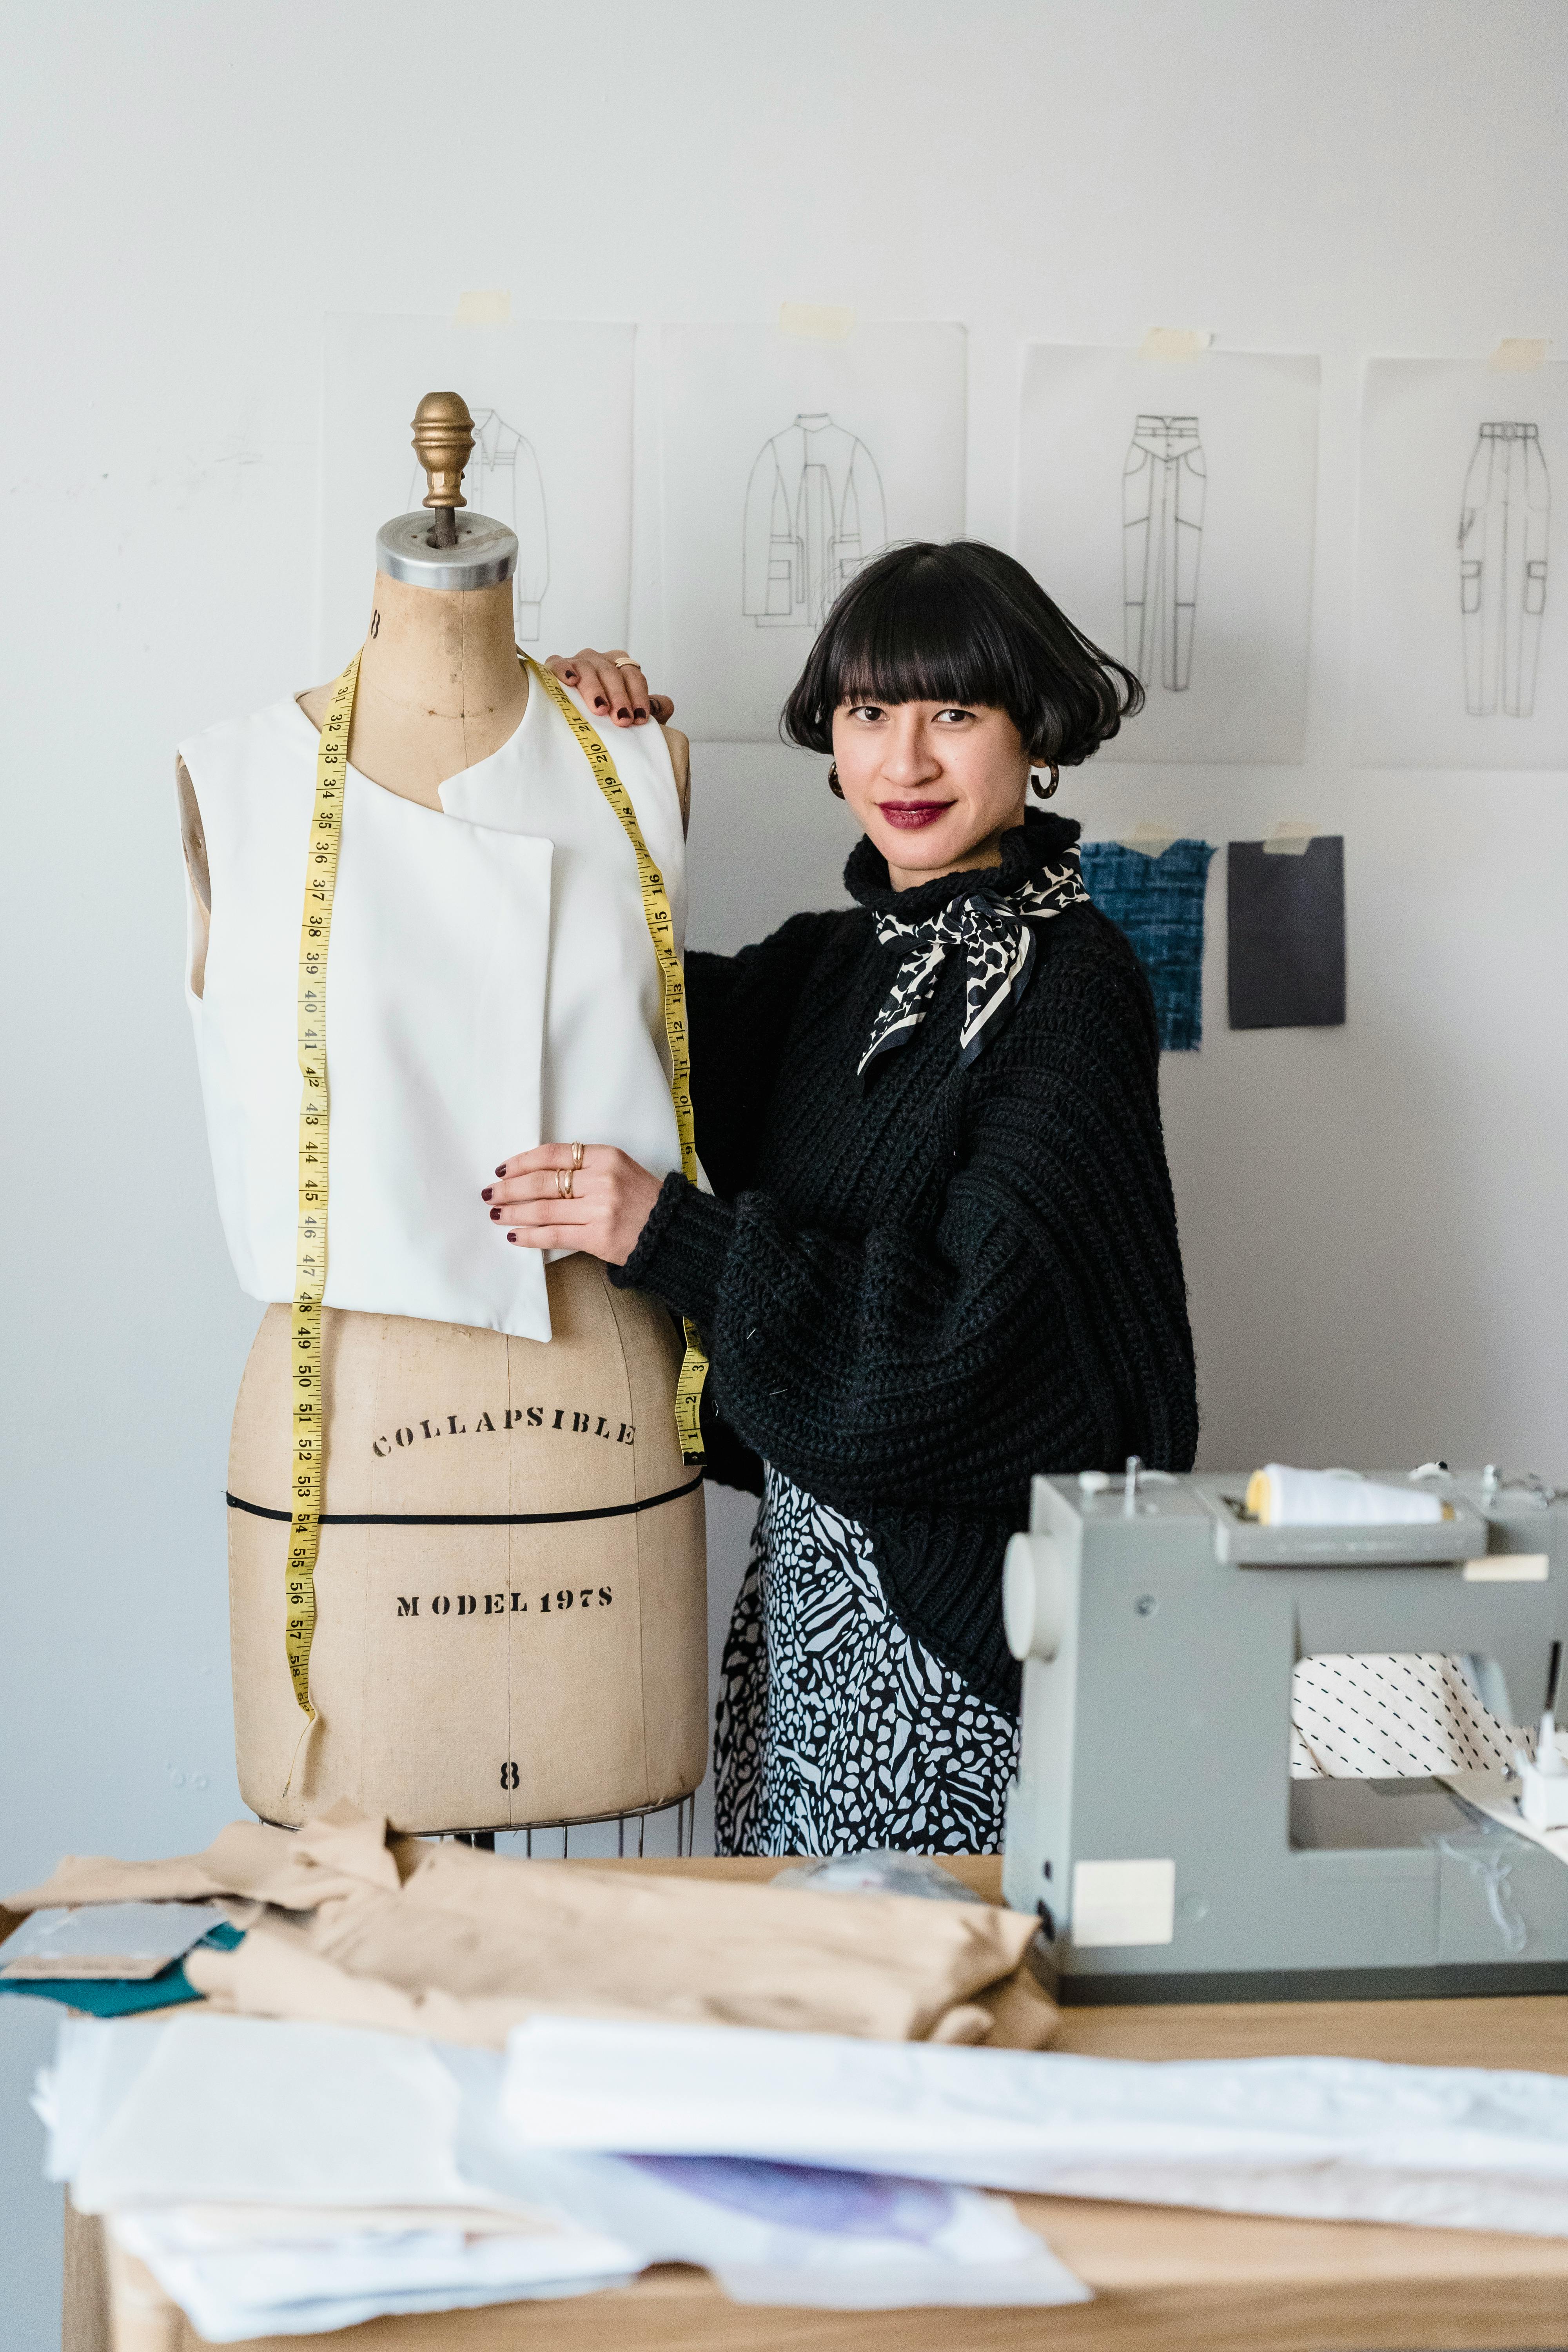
[{"x": 1159, "y": 903}]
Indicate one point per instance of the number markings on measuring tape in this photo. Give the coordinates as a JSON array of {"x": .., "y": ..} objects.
[
  {"x": 662, "y": 930},
  {"x": 310, "y": 1245}
]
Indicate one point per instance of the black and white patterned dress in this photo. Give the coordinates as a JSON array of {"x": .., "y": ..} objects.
[{"x": 836, "y": 1731}]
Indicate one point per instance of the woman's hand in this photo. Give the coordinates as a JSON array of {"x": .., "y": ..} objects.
[
  {"x": 620, "y": 695},
  {"x": 603, "y": 1213}
]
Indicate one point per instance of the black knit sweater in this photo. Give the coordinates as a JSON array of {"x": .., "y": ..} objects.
[{"x": 919, "y": 1289}]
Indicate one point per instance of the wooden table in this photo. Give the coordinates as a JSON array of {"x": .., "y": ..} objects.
[{"x": 1180, "y": 2281}]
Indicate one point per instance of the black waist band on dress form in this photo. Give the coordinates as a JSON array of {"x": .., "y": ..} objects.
[{"x": 470, "y": 1518}]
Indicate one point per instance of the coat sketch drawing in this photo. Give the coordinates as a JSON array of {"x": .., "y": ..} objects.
[
  {"x": 502, "y": 480},
  {"x": 1163, "y": 483},
  {"x": 815, "y": 514},
  {"x": 1505, "y": 522}
]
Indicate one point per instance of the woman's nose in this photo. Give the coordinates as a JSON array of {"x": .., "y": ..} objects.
[{"x": 910, "y": 757}]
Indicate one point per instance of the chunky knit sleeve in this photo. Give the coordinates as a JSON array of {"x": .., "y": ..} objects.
[
  {"x": 1032, "y": 1318},
  {"x": 738, "y": 1010}
]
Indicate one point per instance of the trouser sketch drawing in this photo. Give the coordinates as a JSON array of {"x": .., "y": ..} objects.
[
  {"x": 1503, "y": 530},
  {"x": 1163, "y": 486}
]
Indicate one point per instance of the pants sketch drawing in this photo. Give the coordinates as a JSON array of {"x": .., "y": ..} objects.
[
  {"x": 1503, "y": 529},
  {"x": 1163, "y": 486},
  {"x": 502, "y": 480},
  {"x": 814, "y": 515}
]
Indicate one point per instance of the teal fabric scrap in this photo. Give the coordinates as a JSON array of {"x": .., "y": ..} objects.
[
  {"x": 124, "y": 1996},
  {"x": 1159, "y": 903}
]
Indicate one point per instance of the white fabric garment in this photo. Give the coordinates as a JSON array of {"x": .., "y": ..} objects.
[
  {"x": 1450, "y": 2147},
  {"x": 490, "y": 985},
  {"x": 1332, "y": 1498}
]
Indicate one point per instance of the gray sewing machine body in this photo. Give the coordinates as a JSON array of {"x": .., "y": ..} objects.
[{"x": 1154, "y": 1824}]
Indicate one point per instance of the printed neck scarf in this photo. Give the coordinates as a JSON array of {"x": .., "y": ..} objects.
[{"x": 995, "y": 928}]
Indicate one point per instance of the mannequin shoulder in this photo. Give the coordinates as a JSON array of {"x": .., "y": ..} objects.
[
  {"x": 681, "y": 760},
  {"x": 316, "y": 704}
]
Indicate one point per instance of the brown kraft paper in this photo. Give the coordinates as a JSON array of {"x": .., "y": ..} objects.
[{"x": 437, "y": 1939}]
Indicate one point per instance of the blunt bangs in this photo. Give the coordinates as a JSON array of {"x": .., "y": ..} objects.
[{"x": 961, "y": 623}]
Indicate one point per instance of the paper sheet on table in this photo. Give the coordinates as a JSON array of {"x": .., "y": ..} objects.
[
  {"x": 106, "y": 1940},
  {"x": 246, "y": 2285},
  {"x": 1456, "y": 2148},
  {"x": 775, "y": 2232},
  {"x": 239, "y": 2109},
  {"x": 137, "y": 2119}
]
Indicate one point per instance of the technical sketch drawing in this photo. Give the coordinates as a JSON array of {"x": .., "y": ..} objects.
[
  {"x": 502, "y": 480},
  {"x": 1504, "y": 524},
  {"x": 815, "y": 514},
  {"x": 1163, "y": 488}
]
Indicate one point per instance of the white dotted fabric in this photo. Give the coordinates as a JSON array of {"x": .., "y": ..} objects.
[{"x": 1392, "y": 1717}]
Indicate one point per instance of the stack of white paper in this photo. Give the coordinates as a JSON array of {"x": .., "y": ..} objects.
[
  {"x": 285, "y": 2178},
  {"x": 1456, "y": 2148}
]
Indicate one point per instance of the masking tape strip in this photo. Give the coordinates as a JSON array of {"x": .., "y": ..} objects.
[
  {"x": 489, "y": 307},
  {"x": 1518, "y": 354},
  {"x": 815, "y": 323},
  {"x": 1290, "y": 838},
  {"x": 1175, "y": 343},
  {"x": 1148, "y": 840},
  {"x": 1509, "y": 1568}
]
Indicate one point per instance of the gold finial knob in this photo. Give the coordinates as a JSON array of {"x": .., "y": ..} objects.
[{"x": 443, "y": 443}]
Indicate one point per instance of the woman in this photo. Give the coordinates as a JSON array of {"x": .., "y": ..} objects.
[{"x": 941, "y": 1251}]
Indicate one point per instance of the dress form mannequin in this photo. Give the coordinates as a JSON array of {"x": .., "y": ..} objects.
[{"x": 510, "y": 1623}]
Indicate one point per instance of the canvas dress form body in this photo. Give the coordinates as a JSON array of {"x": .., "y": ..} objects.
[{"x": 511, "y": 1583}]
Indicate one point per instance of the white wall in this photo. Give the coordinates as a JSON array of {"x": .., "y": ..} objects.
[{"x": 1372, "y": 1216}]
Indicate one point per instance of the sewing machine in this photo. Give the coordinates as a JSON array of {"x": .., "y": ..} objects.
[{"x": 1154, "y": 1825}]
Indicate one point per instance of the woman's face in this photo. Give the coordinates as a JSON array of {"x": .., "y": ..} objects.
[{"x": 934, "y": 785}]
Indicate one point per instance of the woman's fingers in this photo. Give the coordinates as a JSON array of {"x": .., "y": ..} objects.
[
  {"x": 555, "y": 1155},
  {"x": 620, "y": 695},
  {"x": 631, "y": 708}
]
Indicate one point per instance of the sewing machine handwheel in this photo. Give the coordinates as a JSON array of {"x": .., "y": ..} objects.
[{"x": 1034, "y": 1597}]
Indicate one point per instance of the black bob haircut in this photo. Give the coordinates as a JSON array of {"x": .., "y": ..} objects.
[{"x": 961, "y": 623}]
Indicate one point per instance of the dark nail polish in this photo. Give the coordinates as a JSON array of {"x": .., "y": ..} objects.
[
  {"x": 494, "y": 1215},
  {"x": 599, "y": 703},
  {"x": 642, "y": 714},
  {"x": 511, "y": 1237},
  {"x": 502, "y": 1169},
  {"x": 623, "y": 714},
  {"x": 488, "y": 1190}
]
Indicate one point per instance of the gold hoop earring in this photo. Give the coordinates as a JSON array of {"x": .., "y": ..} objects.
[
  {"x": 1045, "y": 790},
  {"x": 833, "y": 786}
]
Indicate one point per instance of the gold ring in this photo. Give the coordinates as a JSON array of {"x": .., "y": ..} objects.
[
  {"x": 563, "y": 1183},
  {"x": 576, "y": 1155},
  {"x": 627, "y": 661}
]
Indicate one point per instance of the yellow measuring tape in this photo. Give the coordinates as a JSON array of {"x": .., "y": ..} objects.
[
  {"x": 661, "y": 931},
  {"x": 310, "y": 1247},
  {"x": 315, "y": 1120}
]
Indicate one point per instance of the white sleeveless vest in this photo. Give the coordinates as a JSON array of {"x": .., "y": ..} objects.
[{"x": 490, "y": 985}]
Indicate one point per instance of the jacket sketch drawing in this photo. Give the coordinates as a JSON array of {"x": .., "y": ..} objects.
[
  {"x": 815, "y": 514},
  {"x": 502, "y": 480}
]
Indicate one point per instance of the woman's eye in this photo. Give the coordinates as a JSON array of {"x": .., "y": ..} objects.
[
  {"x": 866, "y": 710},
  {"x": 949, "y": 714}
]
